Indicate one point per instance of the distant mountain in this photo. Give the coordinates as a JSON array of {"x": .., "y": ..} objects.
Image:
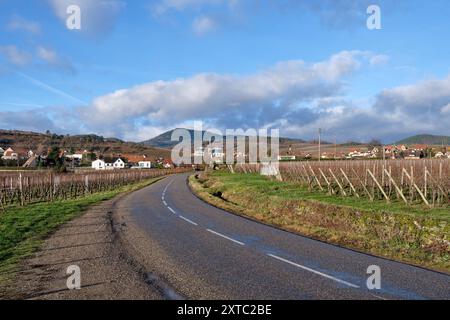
[
  {"x": 165, "y": 140},
  {"x": 427, "y": 139}
]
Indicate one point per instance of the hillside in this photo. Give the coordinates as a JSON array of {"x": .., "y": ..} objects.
[
  {"x": 427, "y": 139},
  {"x": 164, "y": 140},
  {"x": 22, "y": 141}
]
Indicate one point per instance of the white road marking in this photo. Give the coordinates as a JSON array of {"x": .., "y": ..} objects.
[
  {"x": 190, "y": 221},
  {"x": 165, "y": 203},
  {"x": 379, "y": 297},
  {"x": 171, "y": 210},
  {"x": 314, "y": 271},
  {"x": 167, "y": 187},
  {"x": 225, "y": 237}
]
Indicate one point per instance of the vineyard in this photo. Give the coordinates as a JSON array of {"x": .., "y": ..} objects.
[
  {"x": 31, "y": 187},
  {"x": 409, "y": 181}
]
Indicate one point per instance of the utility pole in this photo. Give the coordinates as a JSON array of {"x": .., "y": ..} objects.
[
  {"x": 320, "y": 144},
  {"x": 335, "y": 147}
]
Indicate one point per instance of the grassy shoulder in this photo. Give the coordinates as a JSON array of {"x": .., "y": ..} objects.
[
  {"x": 23, "y": 229},
  {"x": 416, "y": 235}
]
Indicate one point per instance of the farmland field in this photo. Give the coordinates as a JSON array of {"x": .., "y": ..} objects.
[
  {"x": 413, "y": 182},
  {"x": 33, "y": 204},
  {"x": 45, "y": 186}
]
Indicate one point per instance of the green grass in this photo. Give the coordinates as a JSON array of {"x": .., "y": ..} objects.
[
  {"x": 414, "y": 234},
  {"x": 23, "y": 229}
]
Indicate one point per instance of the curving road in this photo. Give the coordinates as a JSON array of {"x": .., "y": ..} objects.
[{"x": 203, "y": 252}]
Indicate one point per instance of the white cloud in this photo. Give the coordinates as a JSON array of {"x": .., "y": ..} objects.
[
  {"x": 17, "y": 23},
  {"x": 165, "y": 6},
  {"x": 47, "y": 55},
  {"x": 294, "y": 96},
  {"x": 379, "y": 60},
  {"x": 15, "y": 56},
  {"x": 224, "y": 98},
  {"x": 397, "y": 112},
  {"x": 53, "y": 59},
  {"x": 336, "y": 14},
  {"x": 97, "y": 16},
  {"x": 446, "y": 109},
  {"x": 203, "y": 25}
]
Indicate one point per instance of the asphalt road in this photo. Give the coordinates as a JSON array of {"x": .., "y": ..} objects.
[{"x": 202, "y": 252}]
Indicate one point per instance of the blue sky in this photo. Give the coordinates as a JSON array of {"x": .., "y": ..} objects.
[{"x": 138, "y": 68}]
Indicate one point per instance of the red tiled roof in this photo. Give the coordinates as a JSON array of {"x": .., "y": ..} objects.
[{"x": 135, "y": 158}]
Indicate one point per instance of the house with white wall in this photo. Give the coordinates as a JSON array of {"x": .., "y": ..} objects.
[
  {"x": 145, "y": 165},
  {"x": 99, "y": 165},
  {"x": 119, "y": 164},
  {"x": 10, "y": 154},
  {"x": 76, "y": 156},
  {"x": 102, "y": 165}
]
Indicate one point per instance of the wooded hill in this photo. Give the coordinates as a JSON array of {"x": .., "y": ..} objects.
[{"x": 22, "y": 141}]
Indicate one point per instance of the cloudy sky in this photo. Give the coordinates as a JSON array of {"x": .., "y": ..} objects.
[{"x": 138, "y": 68}]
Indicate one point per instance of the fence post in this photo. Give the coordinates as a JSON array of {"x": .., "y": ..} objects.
[
  {"x": 86, "y": 184},
  {"x": 379, "y": 186},
  {"x": 21, "y": 190},
  {"x": 396, "y": 187}
]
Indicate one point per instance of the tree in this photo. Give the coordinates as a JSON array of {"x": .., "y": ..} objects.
[
  {"x": 54, "y": 159},
  {"x": 374, "y": 143}
]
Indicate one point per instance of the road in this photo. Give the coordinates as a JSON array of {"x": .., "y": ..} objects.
[{"x": 201, "y": 252}]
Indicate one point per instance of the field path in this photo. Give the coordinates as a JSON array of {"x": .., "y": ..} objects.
[{"x": 90, "y": 242}]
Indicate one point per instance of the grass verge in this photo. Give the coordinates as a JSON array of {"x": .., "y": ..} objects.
[
  {"x": 415, "y": 235},
  {"x": 23, "y": 229}
]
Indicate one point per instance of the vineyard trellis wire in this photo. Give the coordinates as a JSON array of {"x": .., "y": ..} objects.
[
  {"x": 410, "y": 181},
  {"x": 32, "y": 187}
]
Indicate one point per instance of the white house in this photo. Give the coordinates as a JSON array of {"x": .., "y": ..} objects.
[
  {"x": 287, "y": 158},
  {"x": 102, "y": 165},
  {"x": 440, "y": 155},
  {"x": 119, "y": 164},
  {"x": 99, "y": 165},
  {"x": 10, "y": 154},
  {"x": 74, "y": 156},
  {"x": 109, "y": 166},
  {"x": 145, "y": 165}
]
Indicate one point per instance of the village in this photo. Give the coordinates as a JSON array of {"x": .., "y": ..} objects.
[
  {"x": 88, "y": 160},
  {"x": 389, "y": 152},
  {"x": 82, "y": 159}
]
